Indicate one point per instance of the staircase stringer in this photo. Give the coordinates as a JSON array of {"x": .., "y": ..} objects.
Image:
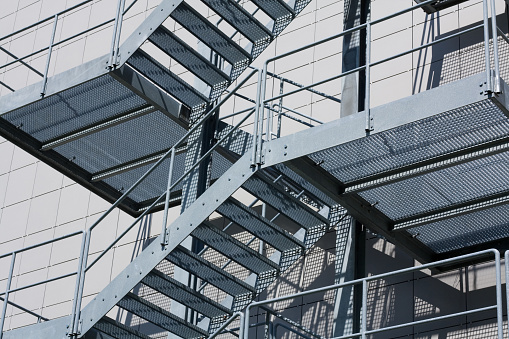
[
  {"x": 146, "y": 28},
  {"x": 181, "y": 228}
]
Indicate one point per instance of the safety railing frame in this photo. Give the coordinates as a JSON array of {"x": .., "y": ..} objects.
[
  {"x": 364, "y": 281},
  {"x": 8, "y": 290},
  {"x": 117, "y": 28}
]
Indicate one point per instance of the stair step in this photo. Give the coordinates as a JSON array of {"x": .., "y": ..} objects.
[
  {"x": 190, "y": 59},
  {"x": 159, "y": 74},
  {"x": 118, "y": 330},
  {"x": 160, "y": 317},
  {"x": 207, "y": 271},
  {"x": 279, "y": 11},
  {"x": 211, "y": 36},
  {"x": 234, "y": 249},
  {"x": 274, "y": 195},
  {"x": 244, "y": 22},
  {"x": 259, "y": 226},
  {"x": 185, "y": 295}
]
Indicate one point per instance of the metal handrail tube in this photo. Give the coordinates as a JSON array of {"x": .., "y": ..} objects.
[
  {"x": 291, "y": 322},
  {"x": 6, "y": 299},
  {"x": 487, "y": 62},
  {"x": 22, "y": 62},
  {"x": 403, "y": 11},
  {"x": 495, "y": 45},
  {"x": 321, "y": 82},
  {"x": 502, "y": 34},
  {"x": 7, "y": 86},
  {"x": 237, "y": 113},
  {"x": 41, "y": 244},
  {"x": 39, "y": 283},
  {"x": 302, "y": 115},
  {"x": 506, "y": 262},
  {"x": 375, "y": 63},
  {"x": 297, "y": 119},
  {"x": 26, "y": 310},
  {"x": 47, "y": 19},
  {"x": 397, "y": 272}
]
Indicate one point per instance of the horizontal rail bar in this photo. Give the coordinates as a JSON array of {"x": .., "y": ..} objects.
[
  {"x": 297, "y": 119},
  {"x": 25, "y": 310},
  {"x": 236, "y": 113},
  {"x": 40, "y": 282},
  {"x": 7, "y": 86},
  {"x": 22, "y": 62},
  {"x": 302, "y": 115},
  {"x": 42, "y": 244}
]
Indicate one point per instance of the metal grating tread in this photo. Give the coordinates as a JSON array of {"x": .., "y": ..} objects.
[
  {"x": 259, "y": 226},
  {"x": 304, "y": 184},
  {"x": 279, "y": 11},
  {"x": 159, "y": 74},
  {"x": 118, "y": 330},
  {"x": 274, "y": 195},
  {"x": 74, "y": 108},
  {"x": 211, "y": 36},
  {"x": 160, "y": 317},
  {"x": 198, "y": 266},
  {"x": 234, "y": 249},
  {"x": 465, "y": 230},
  {"x": 114, "y": 146},
  {"x": 300, "y": 5},
  {"x": 190, "y": 59},
  {"x": 185, "y": 295},
  {"x": 419, "y": 141}
]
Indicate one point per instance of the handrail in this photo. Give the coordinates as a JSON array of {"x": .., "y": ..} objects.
[
  {"x": 8, "y": 289},
  {"x": 364, "y": 331}
]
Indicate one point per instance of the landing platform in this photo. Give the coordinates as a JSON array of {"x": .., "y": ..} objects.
[{"x": 431, "y": 178}]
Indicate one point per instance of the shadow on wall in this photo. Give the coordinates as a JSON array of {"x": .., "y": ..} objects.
[{"x": 456, "y": 58}]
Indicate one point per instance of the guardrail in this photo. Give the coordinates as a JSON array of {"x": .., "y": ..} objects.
[
  {"x": 8, "y": 289},
  {"x": 364, "y": 332},
  {"x": 115, "y": 41}
]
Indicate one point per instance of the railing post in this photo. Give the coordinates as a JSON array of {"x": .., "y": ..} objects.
[
  {"x": 367, "y": 99},
  {"x": 364, "y": 311},
  {"x": 256, "y": 120},
  {"x": 6, "y": 296},
  {"x": 494, "y": 34},
  {"x": 280, "y": 109},
  {"x": 117, "y": 28},
  {"x": 498, "y": 287},
  {"x": 165, "y": 232},
  {"x": 74, "y": 310},
  {"x": 81, "y": 283},
  {"x": 48, "y": 59},
  {"x": 262, "y": 112},
  {"x": 487, "y": 62}
]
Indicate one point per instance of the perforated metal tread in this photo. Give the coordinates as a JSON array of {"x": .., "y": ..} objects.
[
  {"x": 233, "y": 249},
  {"x": 240, "y": 19},
  {"x": 160, "y": 317},
  {"x": 259, "y": 226},
  {"x": 159, "y": 74},
  {"x": 198, "y": 266},
  {"x": 190, "y": 59},
  {"x": 211, "y": 36},
  {"x": 118, "y": 330},
  {"x": 260, "y": 186},
  {"x": 279, "y": 11},
  {"x": 185, "y": 295}
]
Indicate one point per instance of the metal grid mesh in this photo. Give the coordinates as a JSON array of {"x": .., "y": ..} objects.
[
  {"x": 465, "y": 230},
  {"x": 114, "y": 146},
  {"x": 442, "y": 189},
  {"x": 418, "y": 141},
  {"x": 74, "y": 108}
]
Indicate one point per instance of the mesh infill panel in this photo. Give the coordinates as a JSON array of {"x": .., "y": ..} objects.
[
  {"x": 122, "y": 143},
  {"x": 418, "y": 141},
  {"x": 443, "y": 188},
  {"x": 465, "y": 230},
  {"x": 74, "y": 108}
]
